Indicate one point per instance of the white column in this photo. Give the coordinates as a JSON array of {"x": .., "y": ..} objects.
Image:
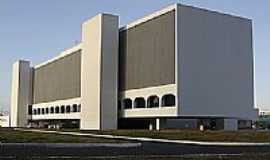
[
  {"x": 151, "y": 126},
  {"x": 99, "y": 72},
  {"x": 157, "y": 124},
  {"x": 20, "y": 93}
]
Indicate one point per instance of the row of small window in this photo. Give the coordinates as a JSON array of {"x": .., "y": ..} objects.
[
  {"x": 167, "y": 100},
  {"x": 51, "y": 110}
]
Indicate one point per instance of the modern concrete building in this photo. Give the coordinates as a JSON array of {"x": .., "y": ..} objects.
[{"x": 179, "y": 67}]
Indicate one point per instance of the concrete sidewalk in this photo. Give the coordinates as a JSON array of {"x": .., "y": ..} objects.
[{"x": 145, "y": 139}]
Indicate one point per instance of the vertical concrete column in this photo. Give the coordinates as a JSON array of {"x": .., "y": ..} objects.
[
  {"x": 20, "y": 93},
  {"x": 158, "y": 124},
  {"x": 99, "y": 73}
]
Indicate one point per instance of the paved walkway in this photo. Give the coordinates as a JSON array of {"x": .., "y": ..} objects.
[{"x": 144, "y": 139}]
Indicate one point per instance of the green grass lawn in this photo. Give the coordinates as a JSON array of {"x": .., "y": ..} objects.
[
  {"x": 222, "y": 136},
  {"x": 8, "y": 135}
]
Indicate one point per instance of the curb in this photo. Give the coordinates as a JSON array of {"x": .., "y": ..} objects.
[{"x": 144, "y": 139}]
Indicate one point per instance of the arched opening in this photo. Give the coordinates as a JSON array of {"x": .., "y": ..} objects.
[
  {"x": 168, "y": 100},
  {"x": 57, "y": 109},
  {"x": 47, "y": 110},
  {"x": 68, "y": 109},
  {"x": 52, "y": 110},
  {"x": 38, "y": 112},
  {"x": 74, "y": 108},
  {"x": 139, "y": 102},
  {"x": 43, "y": 111},
  {"x": 35, "y": 112},
  {"x": 62, "y": 109},
  {"x": 127, "y": 103},
  {"x": 152, "y": 102}
]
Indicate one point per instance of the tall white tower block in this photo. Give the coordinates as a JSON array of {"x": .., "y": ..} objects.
[
  {"x": 99, "y": 73},
  {"x": 20, "y": 93}
]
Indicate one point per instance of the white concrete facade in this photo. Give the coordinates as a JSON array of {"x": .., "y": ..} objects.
[
  {"x": 146, "y": 93},
  {"x": 54, "y": 104},
  {"x": 213, "y": 76}
]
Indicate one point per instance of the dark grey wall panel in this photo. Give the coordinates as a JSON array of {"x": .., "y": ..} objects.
[
  {"x": 60, "y": 79},
  {"x": 147, "y": 53}
]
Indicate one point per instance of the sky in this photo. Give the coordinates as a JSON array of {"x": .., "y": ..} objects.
[{"x": 39, "y": 30}]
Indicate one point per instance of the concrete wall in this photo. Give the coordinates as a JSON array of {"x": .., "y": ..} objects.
[
  {"x": 109, "y": 72},
  {"x": 147, "y": 53},
  {"x": 230, "y": 124},
  {"x": 215, "y": 64},
  {"x": 180, "y": 123},
  {"x": 99, "y": 72},
  {"x": 20, "y": 93},
  {"x": 64, "y": 116},
  {"x": 59, "y": 79}
]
